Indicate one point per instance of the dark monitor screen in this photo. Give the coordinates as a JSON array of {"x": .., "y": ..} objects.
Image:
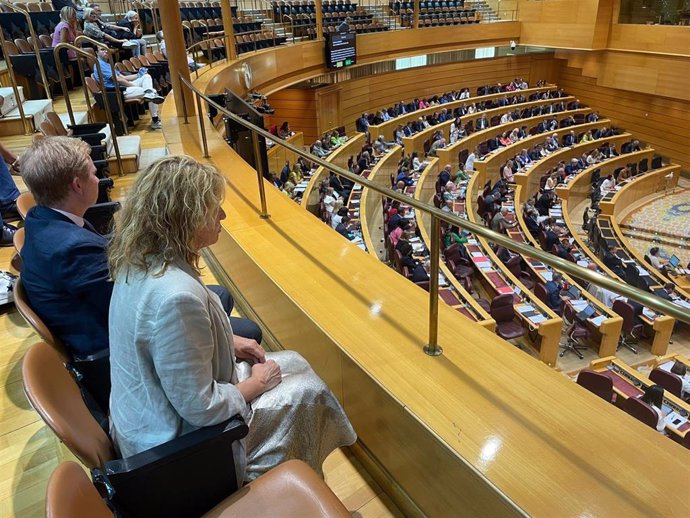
[
  {"x": 587, "y": 312},
  {"x": 674, "y": 261},
  {"x": 341, "y": 49}
]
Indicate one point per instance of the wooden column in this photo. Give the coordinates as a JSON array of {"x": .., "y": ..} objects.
[
  {"x": 228, "y": 27},
  {"x": 415, "y": 19},
  {"x": 319, "y": 20},
  {"x": 171, "y": 23}
]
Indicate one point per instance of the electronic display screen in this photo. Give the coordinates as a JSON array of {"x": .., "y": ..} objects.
[{"x": 341, "y": 49}]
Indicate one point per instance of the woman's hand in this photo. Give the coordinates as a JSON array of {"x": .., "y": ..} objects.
[
  {"x": 248, "y": 349},
  {"x": 267, "y": 374}
]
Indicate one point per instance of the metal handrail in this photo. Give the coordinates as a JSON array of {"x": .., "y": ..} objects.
[
  {"x": 99, "y": 44},
  {"x": 106, "y": 102},
  {"x": 437, "y": 215},
  {"x": 44, "y": 78},
  {"x": 15, "y": 88}
]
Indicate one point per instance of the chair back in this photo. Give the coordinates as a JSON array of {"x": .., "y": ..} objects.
[
  {"x": 57, "y": 123},
  {"x": 92, "y": 85},
  {"x": 26, "y": 311},
  {"x": 626, "y": 312},
  {"x": 48, "y": 129},
  {"x": 24, "y": 202},
  {"x": 641, "y": 411},
  {"x": 18, "y": 240},
  {"x": 54, "y": 394},
  {"x": 668, "y": 380},
  {"x": 70, "y": 493},
  {"x": 501, "y": 308},
  {"x": 596, "y": 383},
  {"x": 541, "y": 293},
  {"x": 513, "y": 265}
]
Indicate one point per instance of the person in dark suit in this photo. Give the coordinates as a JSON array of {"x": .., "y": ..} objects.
[
  {"x": 613, "y": 262},
  {"x": 553, "y": 291}
]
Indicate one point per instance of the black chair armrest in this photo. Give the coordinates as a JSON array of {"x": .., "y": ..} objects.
[
  {"x": 184, "y": 477},
  {"x": 99, "y": 152},
  {"x": 81, "y": 129},
  {"x": 101, "y": 215},
  {"x": 92, "y": 139}
]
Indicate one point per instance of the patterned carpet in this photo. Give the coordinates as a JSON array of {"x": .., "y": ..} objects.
[{"x": 664, "y": 222}]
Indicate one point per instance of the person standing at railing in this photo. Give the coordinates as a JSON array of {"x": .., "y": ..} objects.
[{"x": 137, "y": 86}]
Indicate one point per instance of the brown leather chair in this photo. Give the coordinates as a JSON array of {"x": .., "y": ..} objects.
[
  {"x": 641, "y": 411},
  {"x": 54, "y": 394},
  {"x": 574, "y": 332},
  {"x": 289, "y": 490},
  {"x": 26, "y": 311},
  {"x": 631, "y": 325},
  {"x": 668, "y": 380},
  {"x": 597, "y": 383},
  {"x": 502, "y": 312},
  {"x": 24, "y": 202}
]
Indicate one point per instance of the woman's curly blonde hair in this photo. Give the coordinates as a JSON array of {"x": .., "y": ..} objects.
[{"x": 170, "y": 202}]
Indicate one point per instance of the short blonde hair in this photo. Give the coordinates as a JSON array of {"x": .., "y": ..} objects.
[
  {"x": 170, "y": 202},
  {"x": 50, "y": 164},
  {"x": 68, "y": 13}
]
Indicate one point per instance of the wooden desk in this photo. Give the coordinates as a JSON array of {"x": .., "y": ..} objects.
[
  {"x": 371, "y": 209},
  {"x": 609, "y": 330},
  {"x": 387, "y": 128},
  {"x": 501, "y": 155},
  {"x": 627, "y": 382},
  {"x": 425, "y": 192},
  {"x": 450, "y": 155},
  {"x": 501, "y": 280},
  {"x": 339, "y": 156}
]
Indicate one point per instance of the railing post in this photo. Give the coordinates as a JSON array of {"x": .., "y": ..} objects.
[
  {"x": 202, "y": 127},
  {"x": 184, "y": 102},
  {"x": 260, "y": 174},
  {"x": 432, "y": 348}
]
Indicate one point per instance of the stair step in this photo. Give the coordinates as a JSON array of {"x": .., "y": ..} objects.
[
  {"x": 9, "y": 99},
  {"x": 34, "y": 110}
]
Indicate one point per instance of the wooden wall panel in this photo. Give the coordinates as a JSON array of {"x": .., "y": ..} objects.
[
  {"x": 298, "y": 107},
  {"x": 663, "y": 123},
  {"x": 662, "y": 39},
  {"x": 558, "y": 23}
]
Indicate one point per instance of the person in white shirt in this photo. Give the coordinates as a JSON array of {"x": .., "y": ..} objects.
[
  {"x": 469, "y": 163},
  {"x": 329, "y": 199},
  {"x": 609, "y": 184},
  {"x": 657, "y": 262}
]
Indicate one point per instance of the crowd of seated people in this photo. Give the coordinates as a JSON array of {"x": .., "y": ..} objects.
[
  {"x": 293, "y": 177},
  {"x": 142, "y": 333}
]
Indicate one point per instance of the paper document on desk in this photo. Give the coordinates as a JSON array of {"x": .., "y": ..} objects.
[
  {"x": 525, "y": 308},
  {"x": 471, "y": 241},
  {"x": 536, "y": 319},
  {"x": 484, "y": 264},
  {"x": 642, "y": 272},
  {"x": 674, "y": 420},
  {"x": 477, "y": 254},
  {"x": 578, "y": 305},
  {"x": 584, "y": 264},
  {"x": 598, "y": 320},
  {"x": 547, "y": 275},
  {"x": 682, "y": 303}
]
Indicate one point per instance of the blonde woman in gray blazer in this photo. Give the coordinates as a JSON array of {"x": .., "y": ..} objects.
[{"x": 173, "y": 354}]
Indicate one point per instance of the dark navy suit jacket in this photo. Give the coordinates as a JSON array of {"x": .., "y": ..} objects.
[{"x": 65, "y": 274}]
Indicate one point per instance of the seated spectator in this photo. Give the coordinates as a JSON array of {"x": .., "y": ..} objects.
[
  {"x": 438, "y": 144},
  {"x": 8, "y": 195},
  {"x": 609, "y": 184},
  {"x": 284, "y": 131},
  {"x": 398, "y": 231},
  {"x": 329, "y": 199},
  {"x": 193, "y": 65},
  {"x": 654, "y": 397},
  {"x": 471, "y": 159},
  {"x": 95, "y": 29},
  {"x": 554, "y": 288},
  {"x": 417, "y": 271},
  {"x": 507, "y": 172},
  {"x": 657, "y": 262},
  {"x": 341, "y": 228},
  {"x": 67, "y": 30},
  {"x": 338, "y": 216},
  {"x": 613, "y": 262},
  {"x": 680, "y": 370},
  {"x": 137, "y": 86},
  {"x": 318, "y": 149},
  {"x": 172, "y": 372},
  {"x": 500, "y": 223},
  {"x": 133, "y": 30},
  {"x": 449, "y": 191}
]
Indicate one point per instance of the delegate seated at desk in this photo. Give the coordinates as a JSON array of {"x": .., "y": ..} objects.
[{"x": 555, "y": 293}]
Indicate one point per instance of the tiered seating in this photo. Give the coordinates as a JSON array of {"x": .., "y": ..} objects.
[
  {"x": 259, "y": 40},
  {"x": 626, "y": 383},
  {"x": 432, "y": 14}
]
